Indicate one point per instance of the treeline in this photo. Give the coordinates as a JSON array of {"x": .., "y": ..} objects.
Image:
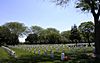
[{"x": 10, "y": 32}]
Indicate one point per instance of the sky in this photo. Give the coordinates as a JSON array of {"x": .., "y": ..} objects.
[{"x": 42, "y": 13}]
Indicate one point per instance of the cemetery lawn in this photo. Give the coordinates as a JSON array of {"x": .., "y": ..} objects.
[
  {"x": 4, "y": 56},
  {"x": 26, "y": 55}
]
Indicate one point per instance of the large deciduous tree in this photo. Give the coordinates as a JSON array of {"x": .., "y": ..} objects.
[
  {"x": 53, "y": 30},
  {"x": 87, "y": 31},
  {"x": 66, "y": 34},
  {"x": 49, "y": 35},
  {"x": 16, "y": 28},
  {"x": 32, "y": 38},
  {"x": 75, "y": 36},
  {"x": 94, "y": 7},
  {"x": 35, "y": 29},
  {"x": 6, "y": 37}
]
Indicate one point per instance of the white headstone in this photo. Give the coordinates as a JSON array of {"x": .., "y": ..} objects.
[
  {"x": 57, "y": 49},
  {"x": 63, "y": 51},
  {"x": 39, "y": 52},
  {"x": 52, "y": 54},
  {"x": 45, "y": 53},
  {"x": 34, "y": 51}
]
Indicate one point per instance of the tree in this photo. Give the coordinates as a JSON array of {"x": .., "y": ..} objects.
[
  {"x": 36, "y": 29},
  {"x": 53, "y": 38},
  {"x": 45, "y": 36},
  {"x": 32, "y": 38},
  {"x": 4, "y": 35},
  {"x": 53, "y": 30},
  {"x": 94, "y": 7},
  {"x": 49, "y": 35},
  {"x": 87, "y": 31},
  {"x": 16, "y": 28},
  {"x": 42, "y": 36},
  {"x": 66, "y": 36},
  {"x": 75, "y": 36},
  {"x": 13, "y": 39}
]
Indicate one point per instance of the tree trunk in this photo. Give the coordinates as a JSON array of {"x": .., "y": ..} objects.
[
  {"x": 76, "y": 42},
  {"x": 88, "y": 40},
  {"x": 97, "y": 38},
  {"x": 89, "y": 43}
]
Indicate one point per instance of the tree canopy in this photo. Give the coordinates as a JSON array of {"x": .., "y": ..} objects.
[
  {"x": 94, "y": 7},
  {"x": 16, "y": 28},
  {"x": 36, "y": 29},
  {"x": 47, "y": 36},
  {"x": 6, "y": 37},
  {"x": 87, "y": 31}
]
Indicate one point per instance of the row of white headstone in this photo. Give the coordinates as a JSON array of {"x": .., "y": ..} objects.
[
  {"x": 45, "y": 52},
  {"x": 51, "y": 54},
  {"x": 56, "y": 45},
  {"x": 46, "y": 48},
  {"x": 57, "y": 48}
]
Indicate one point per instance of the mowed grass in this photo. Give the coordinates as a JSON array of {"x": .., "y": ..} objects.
[
  {"x": 77, "y": 55},
  {"x": 20, "y": 52},
  {"x": 4, "y": 56}
]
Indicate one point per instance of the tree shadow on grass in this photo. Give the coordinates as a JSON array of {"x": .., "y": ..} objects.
[
  {"x": 35, "y": 58},
  {"x": 8, "y": 60}
]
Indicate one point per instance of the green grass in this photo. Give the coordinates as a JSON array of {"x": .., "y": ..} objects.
[
  {"x": 3, "y": 54},
  {"x": 77, "y": 55},
  {"x": 21, "y": 52}
]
